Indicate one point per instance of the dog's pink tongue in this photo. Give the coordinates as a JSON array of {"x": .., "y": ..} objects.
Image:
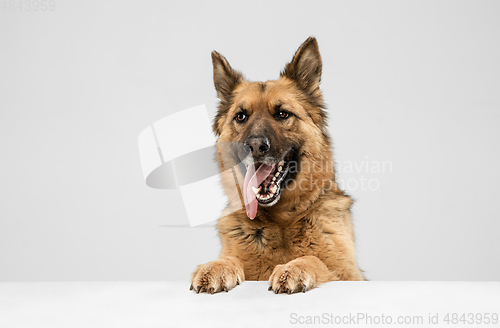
[{"x": 254, "y": 179}]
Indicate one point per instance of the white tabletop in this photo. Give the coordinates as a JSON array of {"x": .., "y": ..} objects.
[{"x": 171, "y": 304}]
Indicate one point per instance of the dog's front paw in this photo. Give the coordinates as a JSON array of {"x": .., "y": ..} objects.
[
  {"x": 299, "y": 275},
  {"x": 220, "y": 275},
  {"x": 289, "y": 278}
]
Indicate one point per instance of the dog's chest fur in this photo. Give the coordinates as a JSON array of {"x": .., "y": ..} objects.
[{"x": 263, "y": 245}]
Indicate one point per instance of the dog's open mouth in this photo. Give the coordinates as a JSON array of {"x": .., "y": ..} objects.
[
  {"x": 269, "y": 190},
  {"x": 264, "y": 183}
]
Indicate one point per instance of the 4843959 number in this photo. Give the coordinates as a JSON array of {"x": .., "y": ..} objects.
[
  {"x": 471, "y": 318},
  {"x": 27, "y": 5}
]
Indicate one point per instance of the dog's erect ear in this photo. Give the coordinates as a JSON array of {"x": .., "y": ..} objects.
[
  {"x": 225, "y": 78},
  {"x": 305, "y": 67}
]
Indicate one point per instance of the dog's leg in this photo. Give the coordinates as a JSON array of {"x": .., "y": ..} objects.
[
  {"x": 220, "y": 275},
  {"x": 300, "y": 275}
]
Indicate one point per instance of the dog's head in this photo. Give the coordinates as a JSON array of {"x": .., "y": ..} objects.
[{"x": 278, "y": 126}]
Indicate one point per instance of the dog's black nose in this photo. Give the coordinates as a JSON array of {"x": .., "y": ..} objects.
[{"x": 256, "y": 145}]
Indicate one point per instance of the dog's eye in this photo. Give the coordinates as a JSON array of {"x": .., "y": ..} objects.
[
  {"x": 241, "y": 117},
  {"x": 282, "y": 114}
]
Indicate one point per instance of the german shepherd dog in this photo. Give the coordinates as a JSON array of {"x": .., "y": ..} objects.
[{"x": 295, "y": 229}]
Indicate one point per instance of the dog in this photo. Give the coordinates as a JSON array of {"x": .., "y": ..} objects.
[{"x": 295, "y": 229}]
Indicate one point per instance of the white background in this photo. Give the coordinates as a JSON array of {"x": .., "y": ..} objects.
[{"x": 413, "y": 83}]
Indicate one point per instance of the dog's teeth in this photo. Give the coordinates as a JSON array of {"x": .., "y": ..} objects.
[
  {"x": 282, "y": 162},
  {"x": 273, "y": 189},
  {"x": 256, "y": 190},
  {"x": 277, "y": 173},
  {"x": 280, "y": 168},
  {"x": 274, "y": 178}
]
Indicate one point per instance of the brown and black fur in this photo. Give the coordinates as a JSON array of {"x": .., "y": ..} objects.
[{"x": 305, "y": 239}]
